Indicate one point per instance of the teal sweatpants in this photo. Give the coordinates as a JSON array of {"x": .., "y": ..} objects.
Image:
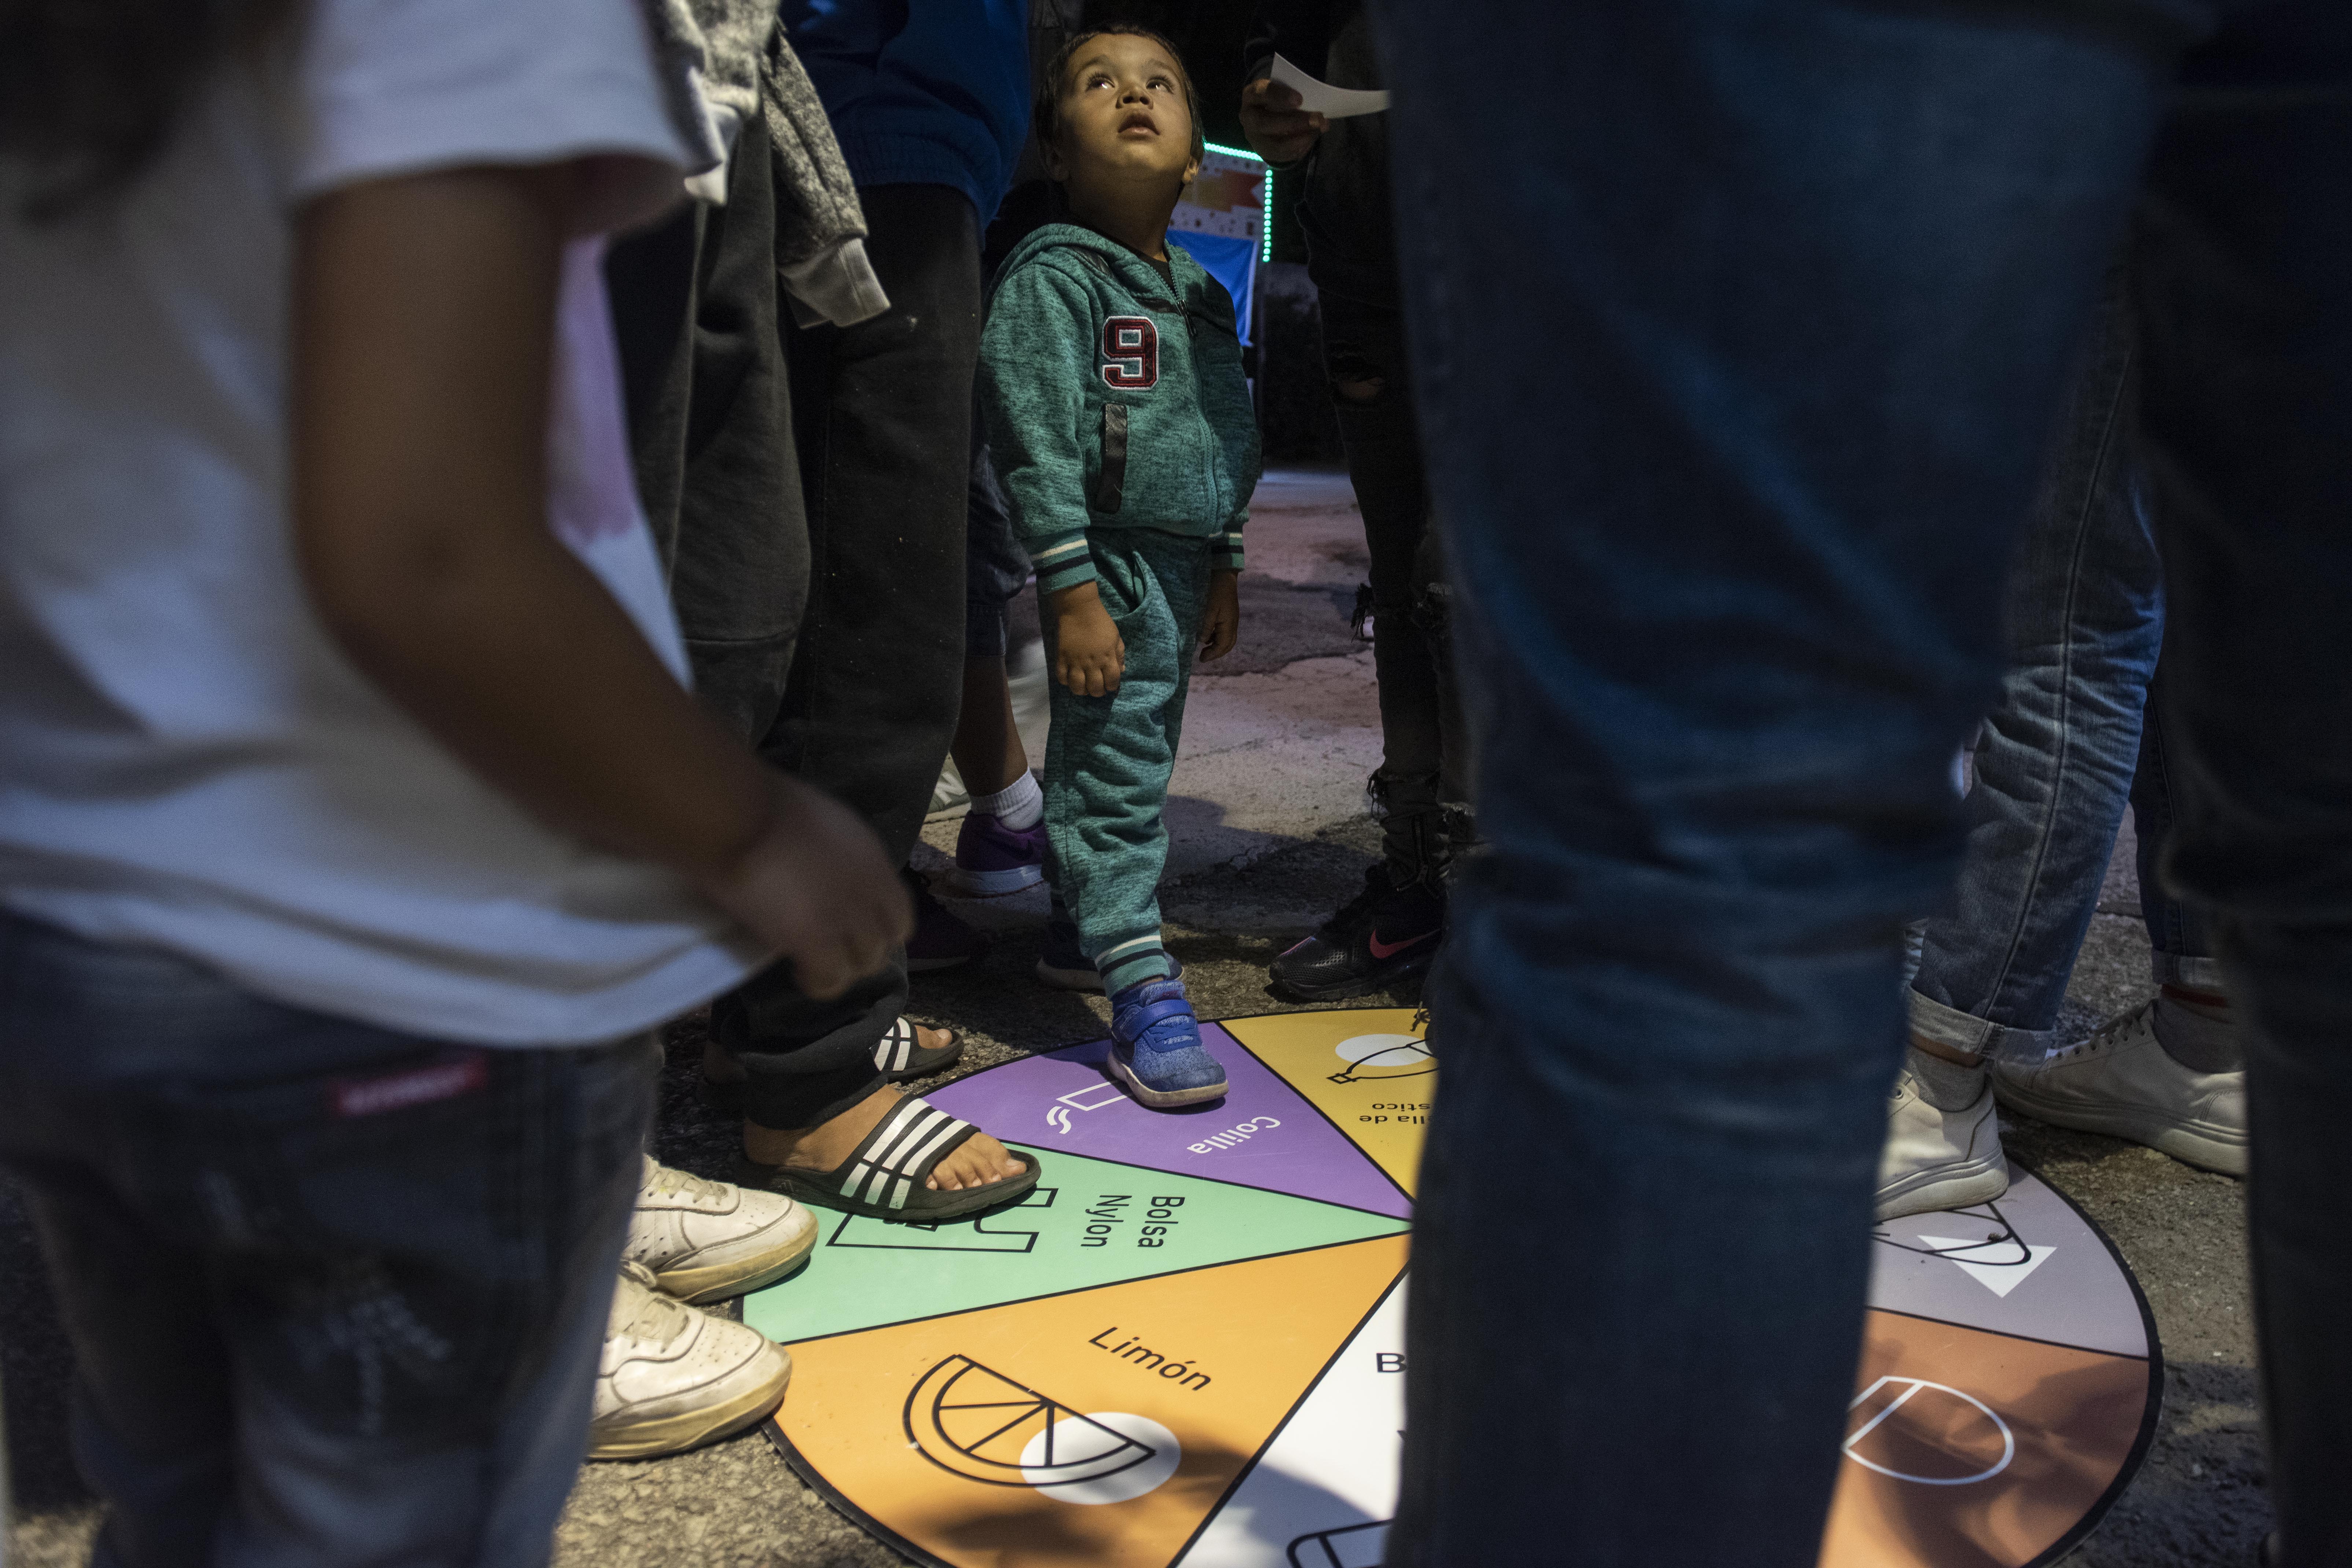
[{"x": 1108, "y": 758}]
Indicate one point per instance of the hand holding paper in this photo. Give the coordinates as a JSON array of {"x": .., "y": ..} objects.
[
  {"x": 1278, "y": 131},
  {"x": 1323, "y": 99}
]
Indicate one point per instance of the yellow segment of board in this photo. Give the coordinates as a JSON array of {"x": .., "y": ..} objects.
[
  {"x": 1367, "y": 1068},
  {"x": 1096, "y": 1428}
]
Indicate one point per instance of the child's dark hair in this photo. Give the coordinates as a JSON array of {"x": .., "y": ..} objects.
[{"x": 1045, "y": 110}]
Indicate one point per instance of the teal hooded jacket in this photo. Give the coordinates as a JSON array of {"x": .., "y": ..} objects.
[{"x": 1113, "y": 400}]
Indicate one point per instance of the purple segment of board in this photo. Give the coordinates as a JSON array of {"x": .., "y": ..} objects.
[{"x": 1261, "y": 1134}]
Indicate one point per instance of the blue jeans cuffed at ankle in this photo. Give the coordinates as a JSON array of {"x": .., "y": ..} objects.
[
  {"x": 2074, "y": 733},
  {"x": 2084, "y": 620}
]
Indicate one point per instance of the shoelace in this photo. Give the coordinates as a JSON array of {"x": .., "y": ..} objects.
[
  {"x": 2105, "y": 1033},
  {"x": 655, "y": 1318},
  {"x": 668, "y": 1182}
]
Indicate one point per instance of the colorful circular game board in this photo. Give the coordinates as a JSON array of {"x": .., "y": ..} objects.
[{"x": 1187, "y": 1346}]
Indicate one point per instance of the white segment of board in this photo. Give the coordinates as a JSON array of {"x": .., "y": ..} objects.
[{"x": 1321, "y": 1496}]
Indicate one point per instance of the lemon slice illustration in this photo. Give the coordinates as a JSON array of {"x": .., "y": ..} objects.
[{"x": 982, "y": 1426}]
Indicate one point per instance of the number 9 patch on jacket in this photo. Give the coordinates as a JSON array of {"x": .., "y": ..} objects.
[{"x": 1131, "y": 352}]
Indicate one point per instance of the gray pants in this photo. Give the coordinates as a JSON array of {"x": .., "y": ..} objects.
[{"x": 335, "y": 1294}]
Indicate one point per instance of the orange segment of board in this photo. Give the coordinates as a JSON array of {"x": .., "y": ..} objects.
[
  {"x": 1988, "y": 1475},
  {"x": 1368, "y": 1069},
  {"x": 1099, "y": 1427}
]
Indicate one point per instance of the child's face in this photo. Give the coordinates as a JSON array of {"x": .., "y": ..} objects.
[{"x": 1124, "y": 121}]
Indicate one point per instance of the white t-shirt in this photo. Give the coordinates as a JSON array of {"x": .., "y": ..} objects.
[{"x": 186, "y": 760}]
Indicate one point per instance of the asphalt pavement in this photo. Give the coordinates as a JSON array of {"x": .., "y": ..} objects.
[{"x": 1271, "y": 831}]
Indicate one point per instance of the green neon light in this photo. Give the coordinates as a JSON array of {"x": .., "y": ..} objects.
[{"x": 1265, "y": 197}]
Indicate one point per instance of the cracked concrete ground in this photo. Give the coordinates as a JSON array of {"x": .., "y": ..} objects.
[{"x": 1270, "y": 834}]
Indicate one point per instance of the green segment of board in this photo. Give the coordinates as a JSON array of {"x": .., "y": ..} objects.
[{"x": 1092, "y": 1223}]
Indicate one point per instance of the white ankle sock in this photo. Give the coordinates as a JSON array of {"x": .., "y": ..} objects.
[{"x": 1020, "y": 805}]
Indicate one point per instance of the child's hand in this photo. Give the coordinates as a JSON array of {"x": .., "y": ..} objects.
[
  {"x": 816, "y": 888},
  {"x": 1090, "y": 655},
  {"x": 1221, "y": 622}
]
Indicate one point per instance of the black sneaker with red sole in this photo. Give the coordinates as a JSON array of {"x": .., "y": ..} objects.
[{"x": 1384, "y": 936}]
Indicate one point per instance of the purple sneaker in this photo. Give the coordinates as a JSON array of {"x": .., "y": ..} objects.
[{"x": 993, "y": 860}]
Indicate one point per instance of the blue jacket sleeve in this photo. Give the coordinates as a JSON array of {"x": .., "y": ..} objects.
[{"x": 920, "y": 92}]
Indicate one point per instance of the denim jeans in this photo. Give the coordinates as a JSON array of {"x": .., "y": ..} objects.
[
  {"x": 2064, "y": 745},
  {"x": 2182, "y": 948},
  {"x": 336, "y": 1294},
  {"x": 1739, "y": 330}
]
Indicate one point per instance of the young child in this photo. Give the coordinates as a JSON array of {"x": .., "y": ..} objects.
[
  {"x": 356, "y": 822},
  {"x": 1112, "y": 380}
]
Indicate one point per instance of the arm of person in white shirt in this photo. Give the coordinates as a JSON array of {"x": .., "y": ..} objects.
[{"x": 423, "y": 333}]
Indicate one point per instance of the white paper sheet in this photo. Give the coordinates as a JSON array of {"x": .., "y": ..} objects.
[{"x": 1321, "y": 97}]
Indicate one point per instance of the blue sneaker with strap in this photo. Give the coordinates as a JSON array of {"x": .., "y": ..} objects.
[{"x": 1156, "y": 1049}]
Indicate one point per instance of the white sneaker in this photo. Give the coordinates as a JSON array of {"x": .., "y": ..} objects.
[
  {"x": 1938, "y": 1159},
  {"x": 672, "y": 1377},
  {"x": 706, "y": 1240},
  {"x": 2122, "y": 1082}
]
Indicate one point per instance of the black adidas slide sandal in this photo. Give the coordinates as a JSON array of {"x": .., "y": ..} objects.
[
  {"x": 883, "y": 1177},
  {"x": 899, "y": 1054},
  {"x": 902, "y": 1055}
]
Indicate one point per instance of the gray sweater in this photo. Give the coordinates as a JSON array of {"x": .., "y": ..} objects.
[{"x": 726, "y": 64}]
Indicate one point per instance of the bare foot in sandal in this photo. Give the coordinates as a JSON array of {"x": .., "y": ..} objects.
[{"x": 979, "y": 1161}]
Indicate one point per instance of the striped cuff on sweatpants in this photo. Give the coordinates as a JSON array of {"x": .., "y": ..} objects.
[{"x": 1133, "y": 962}]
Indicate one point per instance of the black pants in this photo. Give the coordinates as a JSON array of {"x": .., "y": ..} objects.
[
  {"x": 882, "y": 424},
  {"x": 1425, "y": 763},
  {"x": 696, "y": 312},
  {"x": 816, "y": 545}
]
